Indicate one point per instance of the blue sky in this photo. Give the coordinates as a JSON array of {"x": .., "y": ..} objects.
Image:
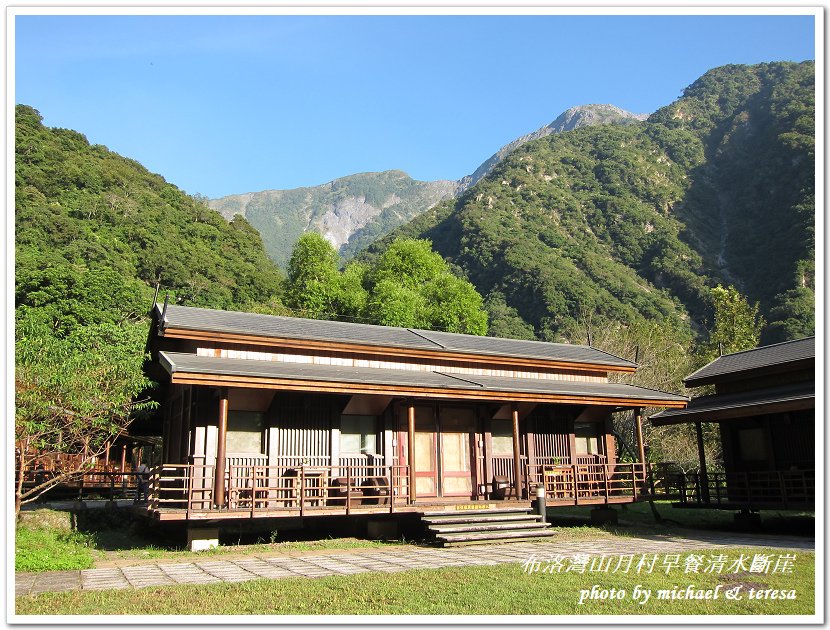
[{"x": 229, "y": 104}]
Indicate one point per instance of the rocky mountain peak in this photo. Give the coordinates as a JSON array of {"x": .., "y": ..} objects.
[{"x": 573, "y": 118}]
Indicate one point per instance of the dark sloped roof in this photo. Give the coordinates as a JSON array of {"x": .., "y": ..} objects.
[
  {"x": 719, "y": 407},
  {"x": 208, "y": 320},
  {"x": 175, "y": 363},
  {"x": 777, "y": 357}
]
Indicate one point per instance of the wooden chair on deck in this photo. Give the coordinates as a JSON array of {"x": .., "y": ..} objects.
[
  {"x": 559, "y": 481},
  {"x": 315, "y": 485},
  {"x": 502, "y": 488}
]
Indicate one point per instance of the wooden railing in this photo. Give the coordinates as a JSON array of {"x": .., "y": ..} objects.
[
  {"x": 109, "y": 484},
  {"x": 788, "y": 489},
  {"x": 589, "y": 482},
  {"x": 302, "y": 489}
]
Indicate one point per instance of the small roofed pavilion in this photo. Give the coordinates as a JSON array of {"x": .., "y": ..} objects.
[{"x": 764, "y": 406}]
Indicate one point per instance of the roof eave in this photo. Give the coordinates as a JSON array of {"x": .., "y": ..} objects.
[
  {"x": 177, "y": 332},
  {"x": 739, "y": 375},
  {"x": 726, "y": 413},
  {"x": 301, "y": 385}
]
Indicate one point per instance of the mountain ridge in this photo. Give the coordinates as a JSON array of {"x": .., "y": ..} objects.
[
  {"x": 353, "y": 220},
  {"x": 620, "y": 222},
  {"x": 570, "y": 119}
]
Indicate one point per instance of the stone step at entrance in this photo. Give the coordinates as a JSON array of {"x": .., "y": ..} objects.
[{"x": 508, "y": 525}]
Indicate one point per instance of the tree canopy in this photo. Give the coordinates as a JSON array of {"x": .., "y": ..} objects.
[
  {"x": 737, "y": 323},
  {"x": 409, "y": 285}
]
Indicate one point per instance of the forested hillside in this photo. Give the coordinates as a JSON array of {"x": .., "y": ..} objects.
[
  {"x": 93, "y": 233},
  {"x": 750, "y": 205},
  {"x": 99, "y": 230},
  {"x": 620, "y": 223}
]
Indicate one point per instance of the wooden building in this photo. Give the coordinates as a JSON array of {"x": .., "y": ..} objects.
[
  {"x": 269, "y": 416},
  {"x": 764, "y": 405}
]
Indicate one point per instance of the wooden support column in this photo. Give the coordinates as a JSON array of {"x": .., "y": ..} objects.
[
  {"x": 219, "y": 469},
  {"x": 410, "y": 443},
  {"x": 517, "y": 456},
  {"x": 701, "y": 453},
  {"x": 638, "y": 428},
  {"x": 123, "y": 458},
  {"x": 641, "y": 448},
  {"x": 107, "y": 455}
]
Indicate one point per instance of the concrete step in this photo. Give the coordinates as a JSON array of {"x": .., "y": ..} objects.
[
  {"x": 505, "y": 510},
  {"x": 489, "y": 518},
  {"x": 486, "y": 537},
  {"x": 487, "y": 527}
]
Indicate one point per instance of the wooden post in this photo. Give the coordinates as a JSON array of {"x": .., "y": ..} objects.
[
  {"x": 701, "y": 453},
  {"x": 605, "y": 469},
  {"x": 123, "y": 459},
  {"x": 348, "y": 490},
  {"x": 638, "y": 428},
  {"x": 517, "y": 458},
  {"x": 219, "y": 469},
  {"x": 641, "y": 448},
  {"x": 410, "y": 443},
  {"x": 107, "y": 455},
  {"x": 575, "y": 483},
  {"x": 634, "y": 480}
]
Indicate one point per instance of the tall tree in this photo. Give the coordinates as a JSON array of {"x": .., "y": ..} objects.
[
  {"x": 312, "y": 276},
  {"x": 73, "y": 394},
  {"x": 738, "y": 324},
  {"x": 411, "y": 285}
]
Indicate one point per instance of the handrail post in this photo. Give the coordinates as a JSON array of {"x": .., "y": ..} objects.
[
  {"x": 253, "y": 489},
  {"x": 634, "y": 481},
  {"x": 391, "y": 490},
  {"x": 190, "y": 472},
  {"x": 348, "y": 489},
  {"x": 648, "y": 473},
  {"x": 783, "y": 488},
  {"x": 606, "y": 483},
  {"x": 575, "y": 483},
  {"x": 302, "y": 489}
]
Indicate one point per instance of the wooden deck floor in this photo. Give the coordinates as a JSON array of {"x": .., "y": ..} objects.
[{"x": 419, "y": 507}]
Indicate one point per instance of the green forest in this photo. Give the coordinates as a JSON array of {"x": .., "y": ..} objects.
[
  {"x": 94, "y": 233},
  {"x": 642, "y": 221}
]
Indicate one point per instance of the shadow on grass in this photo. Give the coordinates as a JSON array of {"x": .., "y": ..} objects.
[{"x": 638, "y": 519}]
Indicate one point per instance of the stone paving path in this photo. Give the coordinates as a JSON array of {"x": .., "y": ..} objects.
[{"x": 214, "y": 569}]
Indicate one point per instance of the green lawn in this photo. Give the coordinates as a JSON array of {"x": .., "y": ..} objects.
[
  {"x": 46, "y": 549},
  {"x": 45, "y": 541},
  {"x": 492, "y": 590}
]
